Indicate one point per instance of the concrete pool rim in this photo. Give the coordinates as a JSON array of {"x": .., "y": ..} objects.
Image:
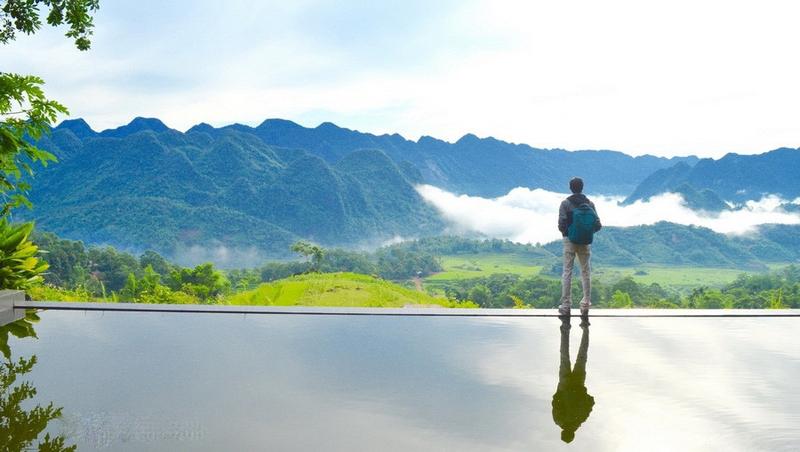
[{"x": 12, "y": 300}]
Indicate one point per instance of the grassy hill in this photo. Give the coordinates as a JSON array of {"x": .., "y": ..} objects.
[
  {"x": 313, "y": 289},
  {"x": 335, "y": 289}
]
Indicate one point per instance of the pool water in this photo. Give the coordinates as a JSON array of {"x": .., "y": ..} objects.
[{"x": 173, "y": 381}]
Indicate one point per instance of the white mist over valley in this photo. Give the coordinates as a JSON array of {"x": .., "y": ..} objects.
[{"x": 530, "y": 215}]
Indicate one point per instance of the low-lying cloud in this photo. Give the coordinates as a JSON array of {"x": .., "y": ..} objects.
[
  {"x": 226, "y": 257},
  {"x": 530, "y": 216}
]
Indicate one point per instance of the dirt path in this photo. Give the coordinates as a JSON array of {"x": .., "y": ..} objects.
[{"x": 418, "y": 283}]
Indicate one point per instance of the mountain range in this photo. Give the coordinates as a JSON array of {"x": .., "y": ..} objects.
[
  {"x": 147, "y": 186},
  {"x": 734, "y": 178},
  {"x": 478, "y": 166},
  {"x": 140, "y": 187}
]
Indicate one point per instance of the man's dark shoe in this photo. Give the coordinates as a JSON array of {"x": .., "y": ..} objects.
[{"x": 564, "y": 311}]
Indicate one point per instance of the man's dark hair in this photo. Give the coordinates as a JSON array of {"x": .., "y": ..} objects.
[{"x": 576, "y": 185}]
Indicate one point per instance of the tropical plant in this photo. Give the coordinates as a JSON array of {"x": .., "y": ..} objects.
[{"x": 20, "y": 267}]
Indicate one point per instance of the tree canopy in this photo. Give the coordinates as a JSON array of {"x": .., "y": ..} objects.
[{"x": 25, "y": 16}]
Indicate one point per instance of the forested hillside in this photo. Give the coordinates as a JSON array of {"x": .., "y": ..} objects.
[
  {"x": 673, "y": 244},
  {"x": 734, "y": 178},
  {"x": 662, "y": 243},
  {"x": 485, "y": 167},
  {"x": 148, "y": 187}
]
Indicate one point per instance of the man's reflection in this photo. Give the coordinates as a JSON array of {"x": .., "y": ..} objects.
[{"x": 572, "y": 404}]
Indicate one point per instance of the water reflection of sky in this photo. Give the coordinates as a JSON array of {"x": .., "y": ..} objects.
[{"x": 132, "y": 381}]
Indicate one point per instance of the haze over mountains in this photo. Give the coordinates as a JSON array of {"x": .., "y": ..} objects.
[{"x": 144, "y": 185}]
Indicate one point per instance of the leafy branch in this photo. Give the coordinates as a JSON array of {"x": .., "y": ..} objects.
[{"x": 25, "y": 16}]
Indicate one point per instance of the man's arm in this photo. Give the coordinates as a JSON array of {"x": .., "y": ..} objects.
[
  {"x": 597, "y": 225},
  {"x": 563, "y": 218}
]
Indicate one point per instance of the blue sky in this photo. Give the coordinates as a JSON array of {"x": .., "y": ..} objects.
[{"x": 702, "y": 77}]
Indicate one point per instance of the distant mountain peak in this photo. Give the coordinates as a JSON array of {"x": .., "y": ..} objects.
[
  {"x": 427, "y": 140},
  {"x": 153, "y": 124},
  {"x": 277, "y": 123},
  {"x": 202, "y": 127},
  {"x": 468, "y": 138},
  {"x": 78, "y": 126},
  {"x": 138, "y": 124},
  {"x": 328, "y": 126}
]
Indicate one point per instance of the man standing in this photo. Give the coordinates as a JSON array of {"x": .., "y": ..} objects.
[{"x": 577, "y": 221}]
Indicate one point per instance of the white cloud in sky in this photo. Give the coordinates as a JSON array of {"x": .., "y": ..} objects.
[
  {"x": 531, "y": 216},
  {"x": 665, "y": 78}
]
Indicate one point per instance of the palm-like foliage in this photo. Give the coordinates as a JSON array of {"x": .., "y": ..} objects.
[{"x": 20, "y": 267}]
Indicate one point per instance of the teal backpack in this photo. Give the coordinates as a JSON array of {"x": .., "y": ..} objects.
[{"x": 584, "y": 219}]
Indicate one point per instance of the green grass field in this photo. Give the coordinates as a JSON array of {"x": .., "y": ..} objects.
[
  {"x": 460, "y": 267},
  {"x": 335, "y": 289},
  {"x": 681, "y": 277},
  {"x": 469, "y": 266}
]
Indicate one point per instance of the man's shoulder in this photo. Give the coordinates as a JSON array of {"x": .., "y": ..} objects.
[{"x": 578, "y": 199}]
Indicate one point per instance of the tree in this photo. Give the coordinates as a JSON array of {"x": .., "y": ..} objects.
[
  {"x": 156, "y": 262},
  {"x": 25, "y": 111},
  {"x": 26, "y": 114},
  {"x": 67, "y": 259},
  {"x": 621, "y": 300},
  {"x": 202, "y": 281},
  {"x": 26, "y": 16},
  {"x": 481, "y": 295},
  {"x": 112, "y": 266},
  {"x": 310, "y": 251}
]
